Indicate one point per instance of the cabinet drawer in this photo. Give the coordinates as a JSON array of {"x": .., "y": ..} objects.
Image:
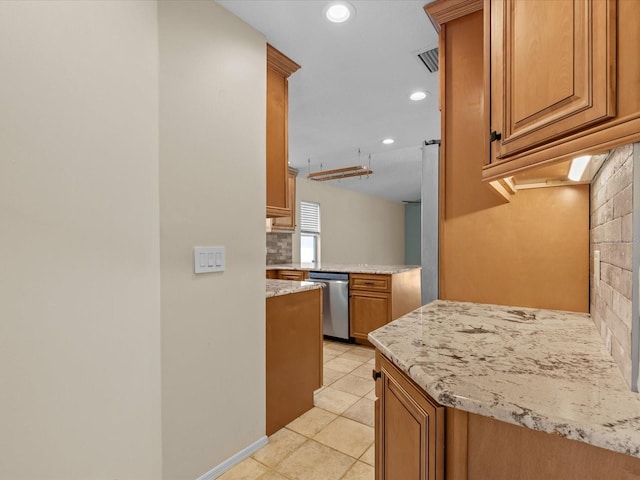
[
  {"x": 295, "y": 275},
  {"x": 371, "y": 283}
]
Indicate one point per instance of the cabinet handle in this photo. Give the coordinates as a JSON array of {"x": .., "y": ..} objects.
[
  {"x": 493, "y": 136},
  {"x": 368, "y": 283},
  {"x": 375, "y": 375}
]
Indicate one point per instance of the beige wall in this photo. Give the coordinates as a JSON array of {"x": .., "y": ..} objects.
[
  {"x": 355, "y": 228},
  {"x": 612, "y": 236},
  {"x": 212, "y": 192},
  {"x": 79, "y": 246}
]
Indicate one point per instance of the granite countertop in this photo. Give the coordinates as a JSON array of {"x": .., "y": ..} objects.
[
  {"x": 275, "y": 288},
  {"x": 541, "y": 369},
  {"x": 345, "y": 268}
]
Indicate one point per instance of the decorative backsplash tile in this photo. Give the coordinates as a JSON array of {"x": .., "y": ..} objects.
[
  {"x": 612, "y": 236},
  {"x": 279, "y": 248}
]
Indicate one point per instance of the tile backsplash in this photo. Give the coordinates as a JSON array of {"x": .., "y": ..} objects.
[
  {"x": 279, "y": 248},
  {"x": 612, "y": 236}
]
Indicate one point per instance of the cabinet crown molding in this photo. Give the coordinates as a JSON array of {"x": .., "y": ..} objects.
[
  {"x": 443, "y": 11},
  {"x": 280, "y": 62}
]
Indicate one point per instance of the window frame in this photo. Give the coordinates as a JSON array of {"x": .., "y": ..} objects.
[{"x": 310, "y": 229}]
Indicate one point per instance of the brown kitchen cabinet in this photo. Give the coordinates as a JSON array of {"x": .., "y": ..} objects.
[
  {"x": 479, "y": 233},
  {"x": 409, "y": 428},
  {"x": 552, "y": 69},
  {"x": 560, "y": 80},
  {"x": 416, "y": 438},
  {"x": 279, "y": 68},
  {"x": 377, "y": 299},
  {"x": 288, "y": 223},
  {"x": 293, "y": 356},
  {"x": 294, "y": 275},
  {"x": 367, "y": 312}
]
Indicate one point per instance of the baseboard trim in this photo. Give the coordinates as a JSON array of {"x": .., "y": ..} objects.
[{"x": 246, "y": 452}]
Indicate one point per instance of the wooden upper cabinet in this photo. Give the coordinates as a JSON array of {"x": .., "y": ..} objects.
[
  {"x": 288, "y": 223},
  {"x": 279, "y": 68},
  {"x": 560, "y": 78},
  {"x": 553, "y": 70}
]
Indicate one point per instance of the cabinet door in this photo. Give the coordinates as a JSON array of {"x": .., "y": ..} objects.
[
  {"x": 276, "y": 142},
  {"x": 553, "y": 69},
  {"x": 288, "y": 223},
  {"x": 279, "y": 67},
  {"x": 368, "y": 311},
  {"x": 409, "y": 430}
]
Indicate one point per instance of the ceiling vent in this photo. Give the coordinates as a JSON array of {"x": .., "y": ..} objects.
[{"x": 429, "y": 58}]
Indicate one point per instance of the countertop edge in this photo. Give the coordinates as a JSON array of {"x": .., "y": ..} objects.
[
  {"x": 277, "y": 288},
  {"x": 602, "y": 436},
  {"x": 348, "y": 268}
]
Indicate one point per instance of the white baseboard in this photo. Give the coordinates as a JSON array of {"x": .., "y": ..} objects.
[{"x": 246, "y": 452}]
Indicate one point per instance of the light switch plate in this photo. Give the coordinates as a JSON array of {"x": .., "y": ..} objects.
[
  {"x": 596, "y": 266},
  {"x": 208, "y": 259}
]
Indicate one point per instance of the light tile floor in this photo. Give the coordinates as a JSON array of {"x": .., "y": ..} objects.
[{"x": 333, "y": 440}]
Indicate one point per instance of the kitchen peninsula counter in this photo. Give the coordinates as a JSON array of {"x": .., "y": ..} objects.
[
  {"x": 293, "y": 330},
  {"x": 544, "y": 370},
  {"x": 275, "y": 288},
  {"x": 345, "y": 268}
]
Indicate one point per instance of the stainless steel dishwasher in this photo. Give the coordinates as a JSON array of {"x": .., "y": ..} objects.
[{"x": 335, "y": 303}]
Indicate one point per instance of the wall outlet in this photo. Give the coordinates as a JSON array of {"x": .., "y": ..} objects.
[{"x": 208, "y": 259}]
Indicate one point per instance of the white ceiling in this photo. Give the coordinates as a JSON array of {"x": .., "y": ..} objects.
[{"x": 353, "y": 88}]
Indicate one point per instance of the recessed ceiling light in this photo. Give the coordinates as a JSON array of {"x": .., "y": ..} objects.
[
  {"x": 388, "y": 141},
  {"x": 417, "y": 96},
  {"x": 339, "y": 12}
]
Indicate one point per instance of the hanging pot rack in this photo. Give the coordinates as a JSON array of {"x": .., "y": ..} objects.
[{"x": 339, "y": 173}]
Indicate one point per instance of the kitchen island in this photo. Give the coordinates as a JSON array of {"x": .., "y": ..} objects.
[
  {"x": 377, "y": 294},
  {"x": 345, "y": 268},
  {"x": 293, "y": 349},
  {"x": 521, "y": 393}
]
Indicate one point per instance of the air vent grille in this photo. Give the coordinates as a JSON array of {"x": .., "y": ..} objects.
[{"x": 430, "y": 59}]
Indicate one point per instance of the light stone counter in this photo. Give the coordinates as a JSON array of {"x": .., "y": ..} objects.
[
  {"x": 345, "y": 268},
  {"x": 541, "y": 369},
  {"x": 276, "y": 288}
]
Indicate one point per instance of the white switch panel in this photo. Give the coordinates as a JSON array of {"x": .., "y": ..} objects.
[
  {"x": 596, "y": 266},
  {"x": 208, "y": 259}
]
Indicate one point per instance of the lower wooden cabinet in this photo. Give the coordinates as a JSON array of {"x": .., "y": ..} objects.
[
  {"x": 409, "y": 428},
  {"x": 417, "y": 439},
  {"x": 368, "y": 311},
  {"x": 293, "y": 356},
  {"x": 377, "y": 299},
  {"x": 294, "y": 275}
]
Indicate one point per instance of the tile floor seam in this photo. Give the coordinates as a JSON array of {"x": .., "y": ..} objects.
[
  {"x": 347, "y": 472},
  {"x": 344, "y": 453},
  {"x": 289, "y": 454},
  {"x": 338, "y": 451},
  {"x": 361, "y": 357}
]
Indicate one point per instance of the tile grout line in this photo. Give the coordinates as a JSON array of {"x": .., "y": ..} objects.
[{"x": 361, "y": 361}]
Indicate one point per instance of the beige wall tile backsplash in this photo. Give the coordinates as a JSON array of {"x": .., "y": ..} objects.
[
  {"x": 279, "y": 248},
  {"x": 611, "y": 235}
]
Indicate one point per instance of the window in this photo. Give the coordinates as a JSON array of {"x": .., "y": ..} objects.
[{"x": 309, "y": 232}]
